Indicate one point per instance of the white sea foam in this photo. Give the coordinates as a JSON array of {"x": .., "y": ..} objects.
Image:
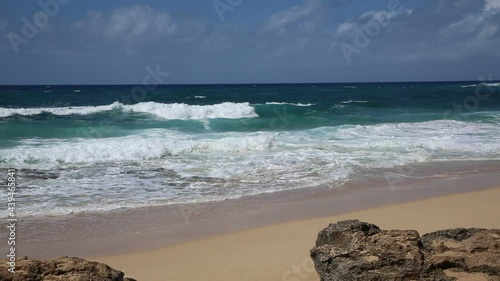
[
  {"x": 166, "y": 111},
  {"x": 153, "y": 144},
  {"x": 77, "y": 110},
  {"x": 218, "y": 166},
  {"x": 441, "y": 140},
  {"x": 492, "y": 84},
  {"x": 183, "y": 111},
  {"x": 437, "y": 139},
  {"x": 293, "y": 104}
]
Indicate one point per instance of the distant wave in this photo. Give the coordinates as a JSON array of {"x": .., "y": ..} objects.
[
  {"x": 342, "y": 104},
  {"x": 79, "y": 110},
  {"x": 287, "y": 103},
  {"x": 492, "y": 84},
  {"x": 179, "y": 111},
  {"x": 483, "y": 84},
  {"x": 353, "y": 101}
]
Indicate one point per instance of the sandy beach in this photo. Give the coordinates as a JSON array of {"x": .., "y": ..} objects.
[{"x": 281, "y": 251}]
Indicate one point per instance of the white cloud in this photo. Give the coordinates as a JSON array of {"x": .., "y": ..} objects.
[
  {"x": 128, "y": 23},
  {"x": 492, "y": 7},
  {"x": 468, "y": 23},
  {"x": 380, "y": 16},
  {"x": 344, "y": 27},
  {"x": 291, "y": 15},
  {"x": 139, "y": 20},
  {"x": 385, "y": 16},
  {"x": 488, "y": 31},
  {"x": 474, "y": 22}
]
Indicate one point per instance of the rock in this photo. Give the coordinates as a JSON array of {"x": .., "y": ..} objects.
[
  {"x": 473, "y": 251},
  {"x": 62, "y": 269},
  {"x": 358, "y": 251},
  {"x": 351, "y": 250}
]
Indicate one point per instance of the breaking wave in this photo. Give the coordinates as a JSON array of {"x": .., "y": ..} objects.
[{"x": 179, "y": 111}]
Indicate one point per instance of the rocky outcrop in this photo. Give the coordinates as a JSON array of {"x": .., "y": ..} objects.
[
  {"x": 63, "y": 269},
  {"x": 359, "y": 251}
]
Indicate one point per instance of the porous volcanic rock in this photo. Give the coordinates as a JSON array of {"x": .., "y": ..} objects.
[
  {"x": 358, "y": 251},
  {"x": 62, "y": 269}
]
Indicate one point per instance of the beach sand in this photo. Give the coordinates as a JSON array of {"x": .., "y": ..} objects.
[{"x": 281, "y": 251}]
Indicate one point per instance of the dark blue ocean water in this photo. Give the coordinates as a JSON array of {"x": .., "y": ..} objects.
[{"x": 93, "y": 148}]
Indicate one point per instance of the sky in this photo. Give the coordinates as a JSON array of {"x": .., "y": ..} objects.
[{"x": 248, "y": 41}]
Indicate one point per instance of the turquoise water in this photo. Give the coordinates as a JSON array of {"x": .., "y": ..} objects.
[{"x": 96, "y": 148}]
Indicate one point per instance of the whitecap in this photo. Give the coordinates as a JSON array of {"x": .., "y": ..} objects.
[
  {"x": 353, "y": 101},
  {"x": 173, "y": 111},
  {"x": 293, "y": 104}
]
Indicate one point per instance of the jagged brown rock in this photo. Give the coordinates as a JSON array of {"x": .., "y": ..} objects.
[
  {"x": 465, "y": 252},
  {"x": 359, "y": 251},
  {"x": 62, "y": 269}
]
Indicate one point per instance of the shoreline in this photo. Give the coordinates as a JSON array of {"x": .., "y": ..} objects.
[
  {"x": 281, "y": 251},
  {"x": 144, "y": 229}
]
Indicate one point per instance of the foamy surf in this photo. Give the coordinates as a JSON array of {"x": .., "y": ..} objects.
[{"x": 178, "y": 167}]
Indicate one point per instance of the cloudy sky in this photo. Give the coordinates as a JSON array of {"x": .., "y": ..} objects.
[{"x": 248, "y": 41}]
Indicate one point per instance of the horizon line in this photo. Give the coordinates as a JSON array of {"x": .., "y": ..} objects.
[{"x": 258, "y": 83}]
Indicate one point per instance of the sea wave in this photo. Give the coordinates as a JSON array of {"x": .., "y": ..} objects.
[
  {"x": 443, "y": 140},
  {"x": 152, "y": 144},
  {"x": 179, "y": 167},
  {"x": 172, "y": 111},
  {"x": 483, "y": 84},
  {"x": 293, "y": 104},
  {"x": 353, "y": 101}
]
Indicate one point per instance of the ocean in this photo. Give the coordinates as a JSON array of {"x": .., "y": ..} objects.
[{"x": 101, "y": 148}]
